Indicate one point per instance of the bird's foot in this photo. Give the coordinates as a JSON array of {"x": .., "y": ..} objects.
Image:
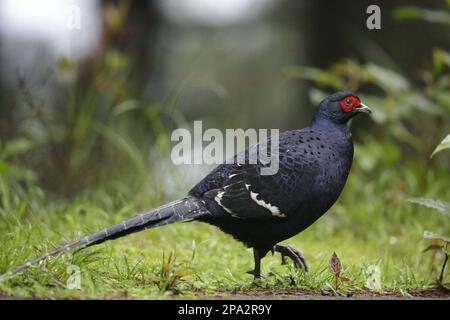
[
  {"x": 292, "y": 253},
  {"x": 256, "y": 274}
]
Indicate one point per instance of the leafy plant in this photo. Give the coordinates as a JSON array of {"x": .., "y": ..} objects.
[
  {"x": 402, "y": 106},
  {"x": 445, "y": 144},
  {"x": 434, "y": 16},
  {"x": 13, "y": 175},
  {"x": 170, "y": 274},
  {"x": 9, "y": 168},
  {"x": 337, "y": 269},
  {"x": 439, "y": 243},
  {"x": 93, "y": 119}
]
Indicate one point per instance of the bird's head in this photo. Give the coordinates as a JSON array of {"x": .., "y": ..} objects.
[{"x": 339, "y": 108}]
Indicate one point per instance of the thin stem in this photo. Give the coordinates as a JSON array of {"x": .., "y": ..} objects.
[
  {"x": 441, "y": 276},
  {"x": 337, "y": 282}
]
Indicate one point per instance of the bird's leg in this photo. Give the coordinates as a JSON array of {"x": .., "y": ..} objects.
[
  {"x": 257, "y": 271},
  {"x": 293, "y": 254}
]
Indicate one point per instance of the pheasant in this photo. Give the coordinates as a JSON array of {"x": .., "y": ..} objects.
[{"x": 261, "y": 210}]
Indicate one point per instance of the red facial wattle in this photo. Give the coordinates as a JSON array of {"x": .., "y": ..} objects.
[{"x": 350, "y": 102}]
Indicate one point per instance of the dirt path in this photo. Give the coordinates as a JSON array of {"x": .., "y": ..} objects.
[
  {"x": 432, "y": 293},
  {"x": 293, "y": 294}
]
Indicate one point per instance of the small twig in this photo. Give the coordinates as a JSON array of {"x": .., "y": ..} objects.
[
  {"x": 441, "y": 276},
  {"x": 336, "y": 286}
]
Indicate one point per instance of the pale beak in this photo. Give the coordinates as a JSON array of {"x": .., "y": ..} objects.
[{"x": 362, "y": 108}]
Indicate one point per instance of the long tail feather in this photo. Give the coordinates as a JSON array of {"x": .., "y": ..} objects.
[{"x": 183, "y": 209}]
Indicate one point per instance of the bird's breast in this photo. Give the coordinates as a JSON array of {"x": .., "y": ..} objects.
[
  {"x": 320, "y": 167},
  {"x": 334, "y": 167}
]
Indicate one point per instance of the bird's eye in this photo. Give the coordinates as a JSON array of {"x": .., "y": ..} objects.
[{"x": 348, "y": 103}]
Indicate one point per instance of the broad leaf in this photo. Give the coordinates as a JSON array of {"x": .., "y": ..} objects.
[
  {"x": 15, "y": 147},
  {"x": 441, "y": 206},
  {"x": 125, "y": 107},
  {"x": 434, "y": 236},
  {"x": 445, "y": 144},
  {"x": 412, "y": 13},
  {"x": 183, "y": 272},
  {"x": 440, "y": 58},
  {"x": 386, "y": 78},
  {"x": 438, "y": 247},
  {"x": 322, "y": 77}
]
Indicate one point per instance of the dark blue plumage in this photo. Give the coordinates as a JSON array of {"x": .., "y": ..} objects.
[
  {"x": 314, "y": 165},
  {"x": 262, "y": 210}
]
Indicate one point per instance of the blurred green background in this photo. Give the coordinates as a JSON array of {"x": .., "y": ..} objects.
[{"x": 86, "y": 114}]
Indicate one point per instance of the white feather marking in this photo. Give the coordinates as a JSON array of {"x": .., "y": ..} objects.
[
  {"x": 273, "y": 209},
  {"x": 218, "y": 199},
  {"x": 232, "y": 175}
]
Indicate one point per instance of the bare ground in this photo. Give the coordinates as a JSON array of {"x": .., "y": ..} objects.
[
  {"x": 294, "y": 294},
  {"x": 431, "y": 293}
]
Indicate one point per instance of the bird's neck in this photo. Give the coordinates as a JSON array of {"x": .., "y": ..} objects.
[
  {"x": 338, "y": 134},
  {"x": 324, "y": 123}
]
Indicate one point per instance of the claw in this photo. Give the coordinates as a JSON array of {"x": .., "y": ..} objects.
[
  {"x": 254, "y": 274},
  {"x": 293, "y": 254}
]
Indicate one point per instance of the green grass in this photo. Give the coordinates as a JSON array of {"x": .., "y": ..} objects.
[{"x": 366, "y": 227}]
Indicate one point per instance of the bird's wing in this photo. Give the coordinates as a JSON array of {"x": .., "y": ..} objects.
[
  {"x": 247, "y": 194},
  {"x": 242, "y": 191}
]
